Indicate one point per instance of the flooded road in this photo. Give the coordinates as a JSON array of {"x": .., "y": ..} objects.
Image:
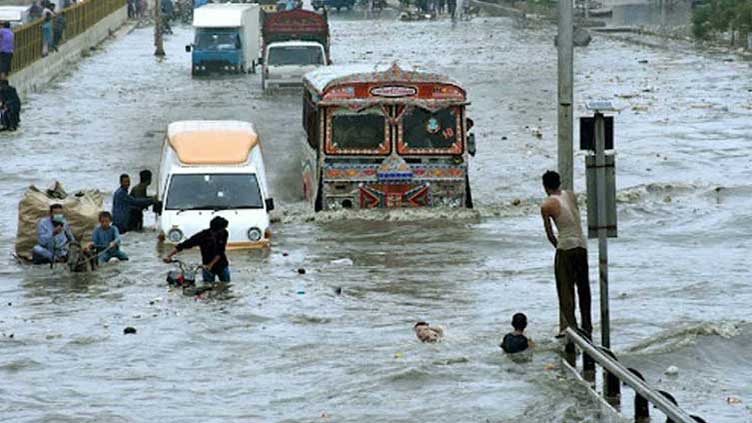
[{"x": 286, "y": 348}]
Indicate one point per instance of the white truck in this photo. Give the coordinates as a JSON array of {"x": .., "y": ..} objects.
[
  {"x": 296, "y": 42},
  {"x": 16, "y": 15},
  {"x": 228, "y": 38}
]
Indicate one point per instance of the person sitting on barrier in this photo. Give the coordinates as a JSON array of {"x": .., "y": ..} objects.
[
  {"x": 516, "y": 341},
  {"x": 106, "y": 240},
  {"x": 47, "y": 32},
  {"x": 426, "y": 333},
  {"x": 54, "y": 237},
  {"x": 212, "y": 242}
]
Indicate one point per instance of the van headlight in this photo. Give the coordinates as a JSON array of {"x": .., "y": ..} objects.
[
  {"x": 254, "y": 234},
  {"x": 175, "y": 235}
]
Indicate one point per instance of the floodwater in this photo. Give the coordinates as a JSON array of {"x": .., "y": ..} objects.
[{"x": 286, "y": 348}]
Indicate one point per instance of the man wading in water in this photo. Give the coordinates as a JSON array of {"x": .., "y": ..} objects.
[{"x": 571, "y": 263}]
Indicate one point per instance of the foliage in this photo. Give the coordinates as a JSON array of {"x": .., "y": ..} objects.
[{"x": 715, "y": 17}]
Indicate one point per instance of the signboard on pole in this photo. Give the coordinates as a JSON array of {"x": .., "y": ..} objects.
[{"x": 592, "y": 196}]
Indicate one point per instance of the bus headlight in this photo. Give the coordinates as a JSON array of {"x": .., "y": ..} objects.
[
  {"x": 254, "y": 234},
  {"x": 175, "y": 235}
]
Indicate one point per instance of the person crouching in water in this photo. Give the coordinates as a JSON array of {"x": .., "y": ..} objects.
[
  {"x": 212, "y": 242},
  {"x": 106, "y": 240},
  {"x": 426, "y": 333},
  {"x": 516, "y": 341},
  {"x": 54, "y": 238}
]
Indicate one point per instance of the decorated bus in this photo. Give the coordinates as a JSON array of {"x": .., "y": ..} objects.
[{"x": 383, "y": 137}]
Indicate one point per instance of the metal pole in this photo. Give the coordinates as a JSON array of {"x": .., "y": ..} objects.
[
  {"x": 668, "y": 408},
  {"x": 565, "y": 74},
  {"x": 158, "y": 42},
  {"x": 600, "y": 163}
]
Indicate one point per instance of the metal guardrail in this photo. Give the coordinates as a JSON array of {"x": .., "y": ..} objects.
[
  {"x": 78, "y": 18},
  {"x": 616, "y": 373}
]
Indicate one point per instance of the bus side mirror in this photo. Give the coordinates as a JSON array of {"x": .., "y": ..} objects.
[
  {"x": 269, "y": 204},
  {"x": 471, "y": 144},
  {"x": 260, "y": 61},
  {"x": 188, "y": 48}
]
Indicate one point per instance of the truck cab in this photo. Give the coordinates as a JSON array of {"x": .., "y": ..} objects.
[
  {"x": 295, "y": 42},
  {"x": 15, "y": 15},
  {"x": 286, "y": 62},
  {"x": 227, "y": 38}
]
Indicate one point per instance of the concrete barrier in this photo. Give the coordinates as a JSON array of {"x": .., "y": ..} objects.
[{"x": 40, "y": 73}]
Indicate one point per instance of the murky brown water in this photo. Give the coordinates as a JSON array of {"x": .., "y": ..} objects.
[{"x": 680, "y": 281}]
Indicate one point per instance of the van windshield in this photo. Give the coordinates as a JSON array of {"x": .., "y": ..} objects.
[
  {"x": 212, "y": 191},
  {"x": 217, "y": 40},
  {"x": 295, "y": 55}
]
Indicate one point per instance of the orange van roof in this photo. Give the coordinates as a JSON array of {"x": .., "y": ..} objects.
[{"x": 212, "y": 145}]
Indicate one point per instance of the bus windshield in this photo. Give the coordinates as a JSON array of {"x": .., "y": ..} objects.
[
  {"x": 358, "y": 132},
  {"x": 212, "y": 191},
  {"x": 426, "y": 130},
  {"x": 217, "y": 40},
  {"x": 295, "y": 55}
]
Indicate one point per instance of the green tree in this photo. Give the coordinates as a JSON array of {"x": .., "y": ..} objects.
[{"x": 717, "y": 17}]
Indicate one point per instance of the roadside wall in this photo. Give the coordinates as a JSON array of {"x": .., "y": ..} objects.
[{"x": 35, "y": 75}]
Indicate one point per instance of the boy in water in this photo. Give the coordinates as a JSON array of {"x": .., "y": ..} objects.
[
  {"x": 426, "y": 333},
  {"x": 516, "y": 341},
  {"x": 106, "y": 240}
]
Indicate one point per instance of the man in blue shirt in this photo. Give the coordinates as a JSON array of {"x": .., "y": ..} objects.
[
  {"x": 123, "y": 204},
  {"x": 106, "y": 240},
  {"x": 7, "y": 47},
  {"x": 54, "y": 237}
]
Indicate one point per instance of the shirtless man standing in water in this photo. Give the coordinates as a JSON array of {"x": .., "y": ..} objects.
[{"x": 571, "y": 263}]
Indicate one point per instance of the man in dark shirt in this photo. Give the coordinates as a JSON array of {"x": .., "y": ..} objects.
[
  {"x": 139, "y": 191},
  {"x": 516, "y": 341},
  {"x": 212, "y": 243},
  {"x": 11, "y": 106}
]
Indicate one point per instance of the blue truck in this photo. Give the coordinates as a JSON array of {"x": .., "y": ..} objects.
[{"x": 227, "y": 39}]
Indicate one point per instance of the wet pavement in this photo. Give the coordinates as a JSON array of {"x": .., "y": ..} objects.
[{"x": 287, "y": 347}]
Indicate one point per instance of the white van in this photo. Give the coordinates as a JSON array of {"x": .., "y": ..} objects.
[
  {"x": 286, "y": 62},
  {"x": 214, "y": 168}
]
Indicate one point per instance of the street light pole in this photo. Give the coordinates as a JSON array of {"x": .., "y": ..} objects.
[
  {"x": 565, "y": 76},
  {"x": 158, "y": 42}
]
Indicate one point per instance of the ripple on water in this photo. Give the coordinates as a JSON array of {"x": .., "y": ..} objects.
[{"x": 20, "y": 364}]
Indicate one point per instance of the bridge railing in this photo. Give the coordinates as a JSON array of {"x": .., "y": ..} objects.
[
  {"x": 78, "y": 18},
  {"x": 617, "y": 373}
]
